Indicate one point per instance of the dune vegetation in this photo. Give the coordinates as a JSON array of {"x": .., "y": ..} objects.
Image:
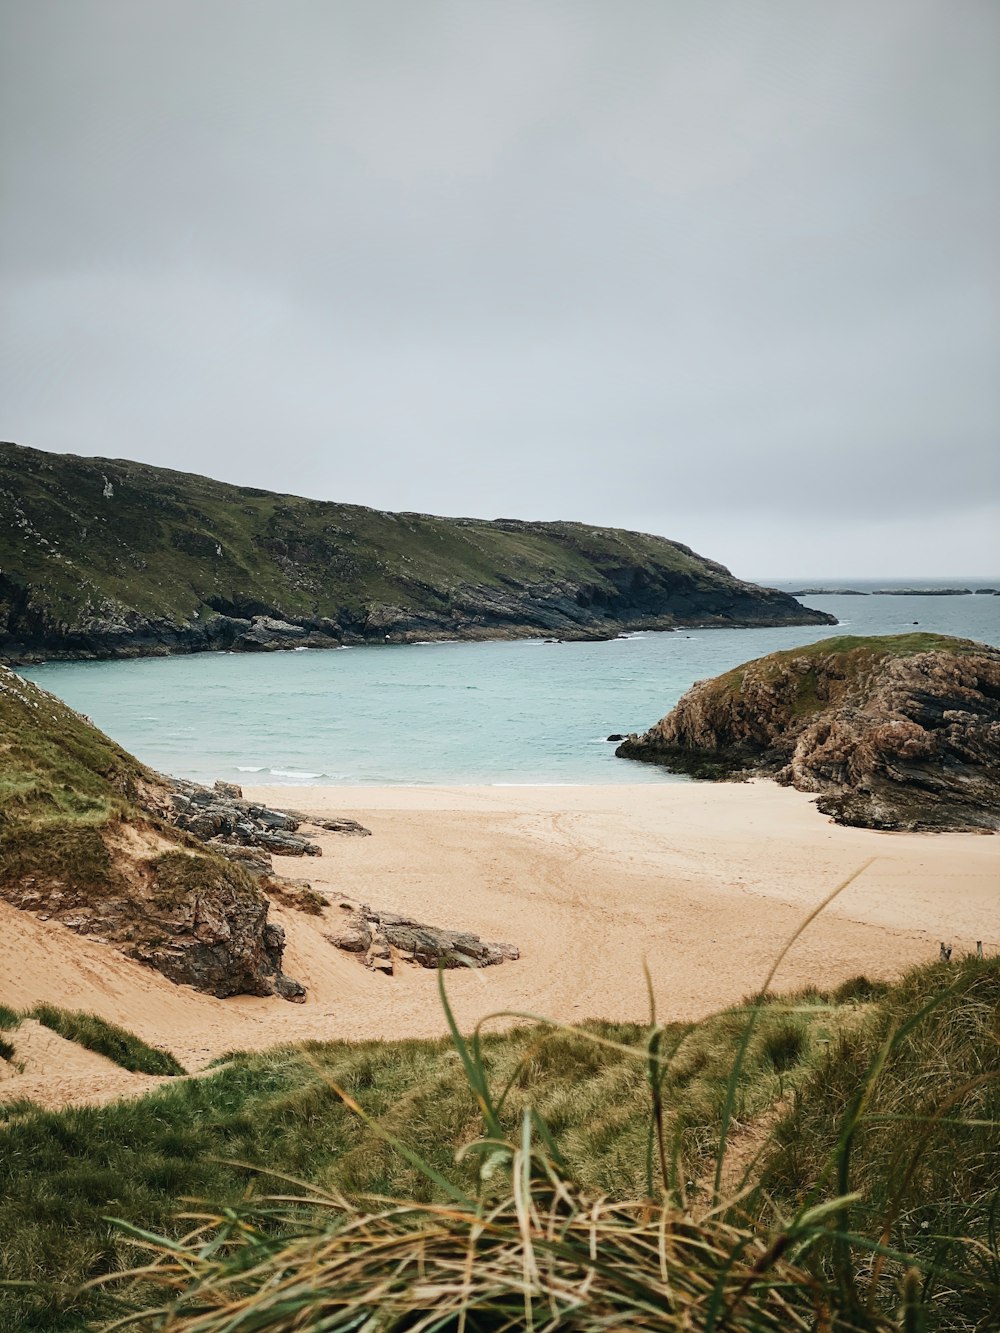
[
  {"x": 814, "y": 1161},
  {"x": 108, "y": 1039},
  {"x": 84, "y": 841}
]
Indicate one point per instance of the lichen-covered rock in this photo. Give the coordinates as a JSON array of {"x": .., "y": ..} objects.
[{"x": 901, "y": 732}]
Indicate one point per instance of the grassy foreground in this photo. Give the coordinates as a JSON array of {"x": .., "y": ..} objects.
[{"x": 865, "y": 1125}]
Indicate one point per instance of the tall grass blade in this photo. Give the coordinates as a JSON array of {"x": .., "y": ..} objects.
[
  {"x": 741, "y": 1051},
  {"x": 472, "y": 1063}
]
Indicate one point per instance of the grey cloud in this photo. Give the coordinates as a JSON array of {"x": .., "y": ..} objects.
[{"x": 699, "y": 268}]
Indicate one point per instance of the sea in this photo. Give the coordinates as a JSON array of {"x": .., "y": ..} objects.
[{"x": 504, "y": 713}]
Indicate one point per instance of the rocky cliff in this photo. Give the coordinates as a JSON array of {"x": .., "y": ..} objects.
[
  {"x": 894, "y": 733},
  {"x": 81, "y": 843},
  {"x": 108, "y": 558}
]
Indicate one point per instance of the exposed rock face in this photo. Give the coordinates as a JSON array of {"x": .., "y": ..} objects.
[
  {"x": 81, "y": 844},
  {"x": 221, "y": 815},
  {"x": 198, "y": 920},
  {"x": 377, "y": 936},
  {"x": 108, "y": 558},
  {"x": 244, "y": 831},
  {"x": 893, "y": 733}
]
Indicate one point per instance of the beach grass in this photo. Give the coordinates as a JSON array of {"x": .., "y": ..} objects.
[
  {"x": 919, "y": 1141},
  {"x": 9, "y": 1019},
  {"x": 117, "y": 1044},
  {"x": 63, "y": 787},
  {"x": 382, "y": 1139}
]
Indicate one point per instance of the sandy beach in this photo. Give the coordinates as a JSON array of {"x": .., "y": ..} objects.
[{"x": 702, "y": 883}]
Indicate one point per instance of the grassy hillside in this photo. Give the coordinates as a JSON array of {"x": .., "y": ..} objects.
[
  {"x": 62, "y": 782},
  {"x": 81, "y": 843},
  {"x": 99, "y": 556},
  {"x": 924, "y": 1153},
  {"x": 853, "y": 658}
]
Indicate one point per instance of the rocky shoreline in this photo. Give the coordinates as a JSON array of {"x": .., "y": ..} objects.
[
  {"x": 894, "y": 592},
  {"x": 135, "y": 637},
  {"x": 246, "y": 831},
  {"x": 168, "y": 872},
  {"x": 901, "y": 732}
]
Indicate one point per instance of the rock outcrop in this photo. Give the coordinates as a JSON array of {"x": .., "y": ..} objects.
[
  {"x": 109, "y": 558},
  {"x": 379, "y": 938},
  {"x": 197, "y": 919},
  {"x": 81, "y": 843},
  {"x": 219, "y": 815},
  {"x": 892, "y": 733}
]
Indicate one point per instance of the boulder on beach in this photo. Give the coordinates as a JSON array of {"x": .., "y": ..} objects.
[{"x": 379, "y": 937}]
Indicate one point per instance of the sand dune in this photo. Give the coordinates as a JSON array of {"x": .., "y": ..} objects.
[
  {"x": 702, "y": 882},
  {"x": 48, "y": 1069}
]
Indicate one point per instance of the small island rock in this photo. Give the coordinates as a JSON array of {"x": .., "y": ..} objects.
[{"x": 900, "y": 732}]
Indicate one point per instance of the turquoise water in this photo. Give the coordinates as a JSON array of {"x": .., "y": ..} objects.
[{"x": 456, "y": 713}]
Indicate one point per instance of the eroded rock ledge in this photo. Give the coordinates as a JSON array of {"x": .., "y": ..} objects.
[
  {"x": 247, "y": 834},
  {"x": 900, "y": 732},
  {"x": 198, "y": 920},
  {"x": 379, "y": 938},
  {"x": 234, "y": 827}
]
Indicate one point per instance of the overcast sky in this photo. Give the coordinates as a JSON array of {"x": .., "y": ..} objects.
[{"x": 724, "y": 271}]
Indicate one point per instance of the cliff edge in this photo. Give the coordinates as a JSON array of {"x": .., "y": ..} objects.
[{"x": 900, "y": 732}]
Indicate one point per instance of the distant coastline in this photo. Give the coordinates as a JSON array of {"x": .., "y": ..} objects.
[
  {"x": 105, "y": 558},
  {"x": 922, "y": 591}
]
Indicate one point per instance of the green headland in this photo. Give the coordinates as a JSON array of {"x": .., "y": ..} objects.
[{"x": 105, "y": 557}]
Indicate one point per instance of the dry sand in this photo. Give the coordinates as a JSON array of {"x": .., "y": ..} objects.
[
  {"x": 54, "y": 1072},
  {"x": 704, "y": 883}
]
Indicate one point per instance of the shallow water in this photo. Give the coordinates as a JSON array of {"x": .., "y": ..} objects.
[{"x": 459, "y": 713}]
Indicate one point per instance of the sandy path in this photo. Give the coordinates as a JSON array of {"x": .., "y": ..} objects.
[{"x": 703, "y": 882}]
